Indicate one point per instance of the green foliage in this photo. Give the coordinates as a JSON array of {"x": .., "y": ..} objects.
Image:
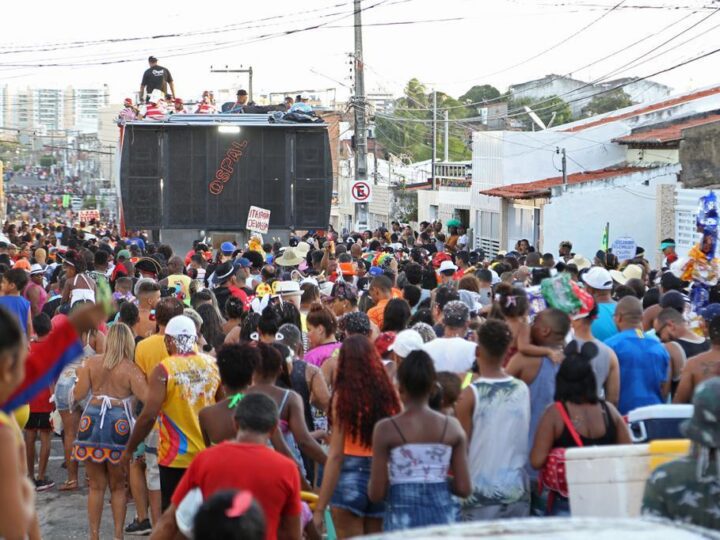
[
  {"x": 414, "y": 139},
  {"x": 47, "y": 161},
  {"x": 545, "y": 108},
  {"x": 478, "y": 93},
  {"x": 609, "y": 101},
  {"x": 89, "y": 203}
]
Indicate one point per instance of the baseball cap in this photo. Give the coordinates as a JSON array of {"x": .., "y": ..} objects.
[
  {"x": 675, "y": 300},
  {"x": 242, "y": 92},
  {"x": 181, "y": 325},
  {"x": 227, "y": 247},
  {"x": 152, "y": 59},
  {"x": 123, "y": 254},
  {"x": 36, "y": 269},
  {"x": 376, "y": 271},
  {"x": 127, "y": 101},
  {"x": 242, "y": 262},
  {"x": 406, "y": 342},
  {"x": 710, "y": 311},
  {"x": 598, "y": 278},
  {"x": 304, "y": 95}
]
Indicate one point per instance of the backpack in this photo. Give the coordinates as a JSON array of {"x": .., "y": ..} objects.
[{"x": 553, "y": 475}]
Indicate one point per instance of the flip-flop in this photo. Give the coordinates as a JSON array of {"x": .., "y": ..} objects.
[{"x": 69, "y": 485}]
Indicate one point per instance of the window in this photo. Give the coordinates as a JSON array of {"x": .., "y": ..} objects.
[
  {"x": 433, "y": 212},
  {"x": 487, "y": 234}
]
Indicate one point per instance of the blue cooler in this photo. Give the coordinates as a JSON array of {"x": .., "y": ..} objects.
[{"x": 657, "y": 422}]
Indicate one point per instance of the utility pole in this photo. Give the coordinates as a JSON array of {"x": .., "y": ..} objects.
[
  {"x": 564, "y": 166},
  {"x": 434, "y": 138},
  {"x": 249, "y": 71},
  {"x": 446, "y": 145},
  {"x": 361, "y": 209}
]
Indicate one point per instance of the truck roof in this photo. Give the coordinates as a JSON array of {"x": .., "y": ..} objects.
[{"x": 224, "y": 119}]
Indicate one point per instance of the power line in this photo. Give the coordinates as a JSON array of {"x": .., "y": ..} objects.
[
  {"x": 552, "y": 47},
  {"x": 219, "y": 46},
  {"x": 547, "y": 82}
]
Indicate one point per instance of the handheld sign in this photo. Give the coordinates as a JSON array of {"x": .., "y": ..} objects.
[
  {"x": 258, "y": 220},
  {"x": 624, "y": 248}
]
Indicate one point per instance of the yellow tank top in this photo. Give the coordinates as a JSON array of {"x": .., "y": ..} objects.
[
  {"x": 9, "y": 421},
  {"x": 191, "y": 385},
  {"x": 22, "y": 415}
]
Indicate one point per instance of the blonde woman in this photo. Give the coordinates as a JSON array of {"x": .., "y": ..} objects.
[{"x": 113, "y": 380}]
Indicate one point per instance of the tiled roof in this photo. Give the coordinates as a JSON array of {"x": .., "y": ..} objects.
[
  {"x": 541, "y": 188},
  {"x": 679, "y": 100},
  {"x": 666, "y": 134}
]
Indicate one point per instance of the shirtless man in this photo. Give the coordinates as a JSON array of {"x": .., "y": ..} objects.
[
  {"x": 148, "y": 294},
  {"x": 548, "y": 330},
  {"x": 701, "y": 367}
]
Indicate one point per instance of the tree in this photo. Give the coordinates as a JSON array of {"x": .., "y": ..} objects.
[
  {"x": 478, "y": 93},
  {"x": 606, "y": 102},
  {"x": 549, "y": 109},
  {"x": 409, "y": 130}
]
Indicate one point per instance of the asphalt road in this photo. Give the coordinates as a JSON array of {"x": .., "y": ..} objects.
[
  {"x": 30, "y": 181},
  {"x": 63, "y": 515}
]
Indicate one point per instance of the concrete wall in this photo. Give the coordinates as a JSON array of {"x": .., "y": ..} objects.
[
  {"x": 700, "y": 155},
  {"x": 580, "y": 213},
  {"x": 643, "y": 156}
]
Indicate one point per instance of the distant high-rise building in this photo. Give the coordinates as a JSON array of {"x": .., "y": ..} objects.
[{"x": 48, "y": 110}]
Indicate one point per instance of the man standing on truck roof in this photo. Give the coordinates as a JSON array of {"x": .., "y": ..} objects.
[{"x": 156, "y": 78}]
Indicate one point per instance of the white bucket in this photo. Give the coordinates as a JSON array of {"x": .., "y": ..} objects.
[{"x": 607, "y": 481}]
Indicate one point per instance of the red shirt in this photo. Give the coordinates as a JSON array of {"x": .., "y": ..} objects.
[{"x": 273, "y": 479}]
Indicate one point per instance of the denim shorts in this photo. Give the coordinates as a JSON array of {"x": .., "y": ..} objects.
[
  {"x": 63, "y": 389},
  {"x": 411, "y": 505},
  {"x": 351, "y": 493}
]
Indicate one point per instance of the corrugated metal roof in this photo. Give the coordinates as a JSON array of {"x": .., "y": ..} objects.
[
  {"x": 541, "y": 188},
  {"x": 679, "y": 100},
  {"x": 666, "y": 134},
  {"x": 227, "y": 119}
]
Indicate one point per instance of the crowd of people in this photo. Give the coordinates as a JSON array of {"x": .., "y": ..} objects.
[
  {"x": 369, "y": 381},
  {"x": 47, "y": 205}
]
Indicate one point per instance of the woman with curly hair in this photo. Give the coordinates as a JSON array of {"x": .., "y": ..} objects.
[{"x": 362, "y": 396}]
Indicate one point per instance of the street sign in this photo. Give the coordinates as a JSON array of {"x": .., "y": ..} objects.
[
  {"x": 258, "y": 220},
  {"x": 361, "y": 192}
]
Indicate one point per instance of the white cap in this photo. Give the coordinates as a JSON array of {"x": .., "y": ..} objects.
[
  {"x": 181, "y": 325},
  {"x": 598, "y": 278},
  {"x": 406, "y": 342},
  {"x": 304, "y": 95},
  {"x": 447, "y": 265},
  {"x": 36, "y": 269}
]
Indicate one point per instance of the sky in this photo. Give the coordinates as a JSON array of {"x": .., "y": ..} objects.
[{"x": 449, "y": 45}]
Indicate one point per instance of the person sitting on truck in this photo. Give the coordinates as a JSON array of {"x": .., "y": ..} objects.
[{"x": 302, "y": 106}]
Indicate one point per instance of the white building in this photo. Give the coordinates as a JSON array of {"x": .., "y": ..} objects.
[
  {"x": 578, "y": 93},
  {"x": 83, "y": 106},
  {"x": 52, "y": 110},
  {"x": 555, "y": 85},
  {"x": 517, "y": 189}
]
